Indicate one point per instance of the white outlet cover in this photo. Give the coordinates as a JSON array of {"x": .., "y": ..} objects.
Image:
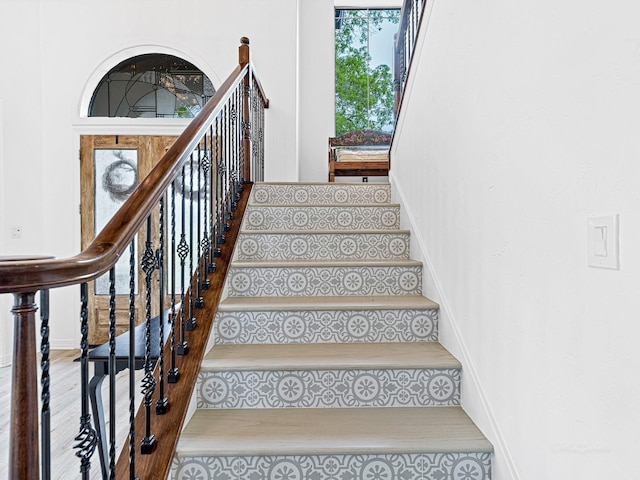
[{"x": 603, "y": 242}]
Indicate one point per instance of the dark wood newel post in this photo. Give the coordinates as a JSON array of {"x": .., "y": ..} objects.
[
  {"x": 244, "y": 59},
  {"x": 23, "y": 452}
]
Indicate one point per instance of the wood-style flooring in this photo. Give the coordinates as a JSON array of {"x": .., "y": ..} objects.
[{"x": 65, "y": 414}]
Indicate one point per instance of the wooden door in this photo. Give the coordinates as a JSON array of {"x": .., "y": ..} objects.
[{"x": 110, "y": 168}]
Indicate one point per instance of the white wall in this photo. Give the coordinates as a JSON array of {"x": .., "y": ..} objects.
[
  {"x": 523, "y": 121},
  {"x": 316, "y": 86},
  {"x": 6, "y": 331},
  {"x": 20, "y": 90},
  {"x": 54, "y": 51}
]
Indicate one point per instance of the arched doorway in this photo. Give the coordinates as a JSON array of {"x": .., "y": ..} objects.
[{"x": 154, "y": 85}]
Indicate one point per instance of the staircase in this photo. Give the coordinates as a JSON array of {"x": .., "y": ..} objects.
[{"x": 325, "y": 362}]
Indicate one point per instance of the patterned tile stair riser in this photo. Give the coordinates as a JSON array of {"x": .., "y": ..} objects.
[
  {"x": 320, "y": 194},
  {"x": 321, "y": 217},
  {"x": 427, "y": 466},
  {"x": 329, "y": 388},
  {"x": 316, "y": 246},
  {"x": 311, "y": 280},
  {"x": 326, "y": 326}
]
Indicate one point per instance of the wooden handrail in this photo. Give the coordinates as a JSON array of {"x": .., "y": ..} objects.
[
  {"x": 105, "y": 250},
  {"x": 24, "y": 276},
  {"x": 263, "y": 95}
]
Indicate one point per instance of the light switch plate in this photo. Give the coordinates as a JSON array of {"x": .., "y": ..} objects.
[{"x": 603, "y": 242}]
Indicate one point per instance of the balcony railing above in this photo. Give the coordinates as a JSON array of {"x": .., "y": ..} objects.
[{"x": 405, "y": 41}]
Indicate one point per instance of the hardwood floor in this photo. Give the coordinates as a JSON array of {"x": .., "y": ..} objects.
[{"x": 65, "y": 414}]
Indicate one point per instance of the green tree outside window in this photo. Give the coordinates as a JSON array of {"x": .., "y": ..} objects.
[{"x": 364, "y": 92}]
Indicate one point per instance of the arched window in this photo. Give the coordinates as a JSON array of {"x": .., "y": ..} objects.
[{"x": 152, "y": 85}]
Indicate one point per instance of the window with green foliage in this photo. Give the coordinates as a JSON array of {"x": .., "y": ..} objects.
[{"x": 364, "y": 79}]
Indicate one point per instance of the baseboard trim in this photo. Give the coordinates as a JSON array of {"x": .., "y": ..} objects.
[
  {"x": 5, "y": 360},
  {"x": 65, "y": 344},
  {"x": 418, "y": 248}
]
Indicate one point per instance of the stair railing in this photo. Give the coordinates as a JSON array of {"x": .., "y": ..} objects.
[
  {"x": 410, "y": 21},
  {"x": 193, "y": 199}
]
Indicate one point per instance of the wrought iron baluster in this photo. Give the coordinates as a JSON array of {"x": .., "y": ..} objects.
[
  {"x": 240, "y": 141},
  {"x": 112, "y": 373},
  {"x": 162, "y": 404},
  {"x": 416, "y": 22},
  {"x": 206, "y": 238},
  {"x": 45, "y": 395},
  {"x": 219, "y": 185},
  {"x": 132, "y": 360},
  {"x": 247, "y": 122},
  {"x": 243, "y": 131},
  {"x": 214, "y": 250},
  {"x": 225, "y": 169},
  {"x": 235, "y": 147},
  {"x": 173, "y": 370},
  {"x": 411, "y": 30},
  {"x": 234, "y": 151},
  {"x": 228, "y": 215},
  {"x": 86, "y": 440},
  {"x": 262, "y": 127},
  {"x": 199, "y": 301},
  {"x": 262, "y": 137},
  {"x": 223, "y": 163},
  {"x": 191, "y": 322},
  {"x": 183, "y": 251},
  {"x": 148, "y": 382},
  {"x": 412, "y": 34},
  {"x": 253, "y": 132}
]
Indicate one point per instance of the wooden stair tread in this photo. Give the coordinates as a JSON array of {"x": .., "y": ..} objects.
[
  {"x": 381, "y": 302},
  {"x": 325, "y": 263},
  {"x": 326, "y": 232},
  {"x": 328, "y": 356},
  {"x": 345, "y": 206},
  {"x": 327, "y": 184},
  {"x": 326, "y": 431}
]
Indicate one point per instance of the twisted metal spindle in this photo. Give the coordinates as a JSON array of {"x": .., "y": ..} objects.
[
  {"x": 191, "y": 322},
  {"x": 148, "y": 382},
  {"x": 214, "y": 250},
  {"x": 45, "y": 396},
  {"x": 227, "y": 214},
  {"x": 206, "y": 239},
  {"x": 183, "y": 251},
  {"x": 86, "y": 440},
  {"x": 132, "y": 360},
  {"x": 112, "y": 373},
  {"x": 219, "y": 186},
  {"x": 162, "y": 404},
  {"x": 246, "y": 131},
  {"x": 234, "y": 155},
  {"x": 173, "y": 370},
  {"x": 199, "y": 301}
]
